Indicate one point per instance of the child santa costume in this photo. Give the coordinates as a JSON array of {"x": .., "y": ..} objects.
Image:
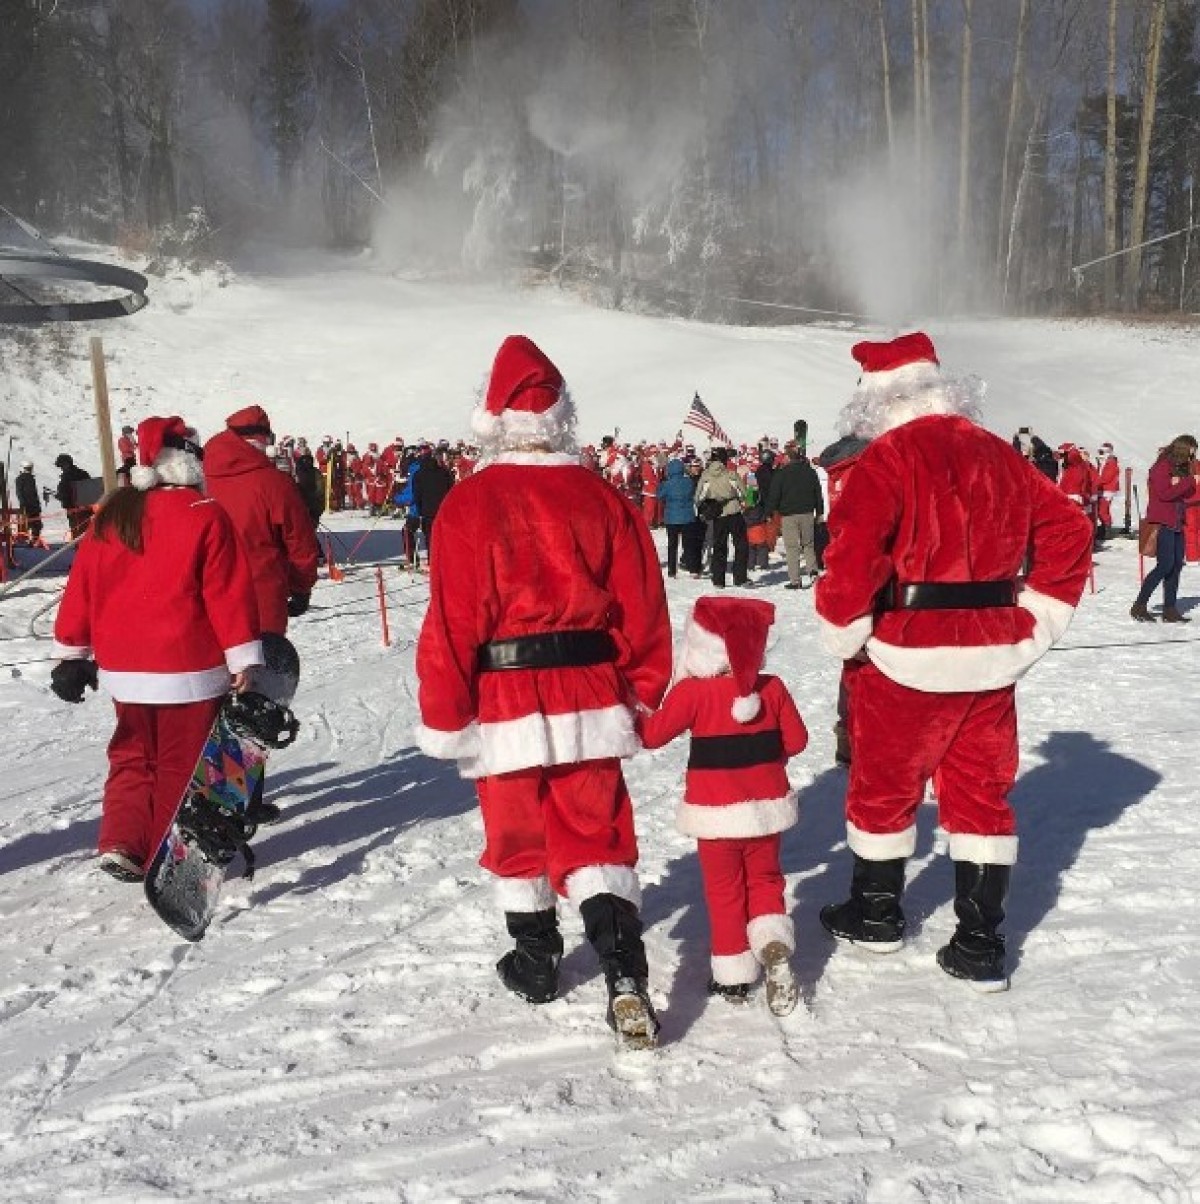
[
  {"x": 547, "y": 624},
  {"x": 925, "y": 586},
  {"x": 737, "y": 799},
  {"x": 170, "y": 624}
]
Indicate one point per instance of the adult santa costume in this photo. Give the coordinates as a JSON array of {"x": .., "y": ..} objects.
[
  {"x": 1108, "y": 485},
  {"x": 547, "y": 624},
  {"x": 926, "y": 587},
  {"x": 161, "y": 603}
]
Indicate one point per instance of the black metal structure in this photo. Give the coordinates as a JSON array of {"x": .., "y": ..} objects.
[{"x": 33, "y": 265}]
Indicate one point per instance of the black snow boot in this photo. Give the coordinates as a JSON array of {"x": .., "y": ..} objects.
[
  {"x": 614, "y": 928},
  {"x": 976, "y": 950},
  {"x": 531, "y": 969},
  {"x": 871, "y": 917}
]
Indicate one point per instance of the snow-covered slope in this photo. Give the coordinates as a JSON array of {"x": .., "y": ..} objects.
[{"x": 341, "y": 1033}]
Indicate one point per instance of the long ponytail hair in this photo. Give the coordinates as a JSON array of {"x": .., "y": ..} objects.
[{"x": 122, "y": 515}]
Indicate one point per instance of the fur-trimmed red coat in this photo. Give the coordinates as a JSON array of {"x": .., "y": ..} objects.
[
  {"x": 170, "y": 623},
  {"x": 533, "y": 543},
  {"x": 939, "y": 499},
  {"x": 730, "y": 803}
]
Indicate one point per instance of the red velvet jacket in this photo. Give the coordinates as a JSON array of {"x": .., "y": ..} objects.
[
  {"x": 170, "y": 623},
  {"x": 739, "y": 802},
  {"x": 271, "y": 521},
  {"x": 530, "y": 544}
]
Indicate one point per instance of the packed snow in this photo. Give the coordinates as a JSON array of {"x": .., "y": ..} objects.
[{"x": 341, "y": 1034}]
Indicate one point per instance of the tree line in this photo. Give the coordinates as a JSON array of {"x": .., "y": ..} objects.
[{"x": 748, "y": 159}]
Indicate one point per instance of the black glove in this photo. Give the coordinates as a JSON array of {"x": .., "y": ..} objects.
[
  {"x": 68, "y": 678},
  {"x": 297, "y": 604},
  {"x": 45, "y": 494}
]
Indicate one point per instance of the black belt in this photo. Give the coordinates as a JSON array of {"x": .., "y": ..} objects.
[
  {"x": 951, "y": 595},
  {"x": 736, "y": 752},
  {"x": 549, "y": 650}
]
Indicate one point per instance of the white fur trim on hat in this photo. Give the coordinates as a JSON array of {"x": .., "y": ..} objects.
[
  {"x": 701, "y": 652},
  {"x": 173, "y": 466},
  {"x": 512, "y": 430}
]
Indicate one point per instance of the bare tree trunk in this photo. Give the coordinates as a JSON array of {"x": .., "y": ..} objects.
[
  {"x": 1019, "y": 196},
  {"x": 964, "y": 133},
  {"x": 926, "y": 89},
  {"x": 1110, "y": 163},
  {"x": 887, "y": 84},
  {"x": 918, "y": 102},
  {"x": 1133, "y": 279},
  {"x": 1010, "y": 128}
]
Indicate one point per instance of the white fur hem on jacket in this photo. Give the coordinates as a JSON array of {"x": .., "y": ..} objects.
[
  {"x": 525, "y": 894},
  {"x": 736, "y": 821},
  {"x": 733, "y": 969},
  {"x": 765, "y": 930},
  {"x": 881, "y": 846},
  {"x": 590, "y": 880},
  {"x": 462, "y": 745},
  {"x": 551, "y": 740},
  {"x": 165, "y": 687},
  {"x": 956, "y": 669},
  {"x": 982, "y": 850}
]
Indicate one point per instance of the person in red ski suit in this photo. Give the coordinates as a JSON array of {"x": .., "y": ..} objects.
[
  {"x": 926, "y": 588},
  {"x": 1108, "y": 485},
  {"x": 126, "y": 454},
  {"x": 159, "y": 609},
  {"x": 547, "y": 624},
  {"x": 355, "y": 474},
  {"x": 737, "y": 801}
]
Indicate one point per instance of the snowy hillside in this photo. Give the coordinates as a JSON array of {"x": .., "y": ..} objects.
[{"x": 341, "y": 1034}]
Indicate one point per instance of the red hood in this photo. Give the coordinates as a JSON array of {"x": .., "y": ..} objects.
[{"x": 229, "y": 455}]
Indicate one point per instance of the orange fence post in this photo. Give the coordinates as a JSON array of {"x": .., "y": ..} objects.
[{"x": 387, "y": 640}]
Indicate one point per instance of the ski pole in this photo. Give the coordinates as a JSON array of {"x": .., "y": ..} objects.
[{"x": 1137, "y": 501}]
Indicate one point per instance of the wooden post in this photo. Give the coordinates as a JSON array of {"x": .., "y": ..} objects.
[{"x": 108, "y": 459}]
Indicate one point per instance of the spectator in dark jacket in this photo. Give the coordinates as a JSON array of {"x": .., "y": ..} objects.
[
  {"x": 796, "y": 497},
  {"x": 430, "y": 487},
  {"x": 1043, "y": 457},
  {"x": 78, "y": 516},
  {"x": 678, "y": 497},
  {"x": 29, "y": 505},
  {"x": 309, "y": 481}
]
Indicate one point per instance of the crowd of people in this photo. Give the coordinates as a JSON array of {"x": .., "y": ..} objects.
[{"x": 545, "y": 656}]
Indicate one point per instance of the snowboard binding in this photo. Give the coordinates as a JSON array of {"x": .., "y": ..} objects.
[
  {"x": 255, "y": 717},
  {"x": 219, "y": 834}
]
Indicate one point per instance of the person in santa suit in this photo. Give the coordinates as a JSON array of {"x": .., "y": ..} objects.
[
  {"x": 1108, "y": 485},
  {"x": 547, "y": 625},
  {"x": 159, "y": 609},
  {"x": 737, "y": 800},
  {"x": 926, "y": 589},
  {"x": 355, "y": 489},
  {"x": 1077, "y": 479}
]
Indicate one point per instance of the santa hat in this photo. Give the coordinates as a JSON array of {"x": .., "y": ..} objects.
[
  {"x": 169, "y": 453},
  {"x": 250, "y": 423},
  {"x": 526, "y": 400},
  {"x": 729, "y": 635},
  {"x": 1106, "y": 447},
  {"x": 911, "y": 356}
]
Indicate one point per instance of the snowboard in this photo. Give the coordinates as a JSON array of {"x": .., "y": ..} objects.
[{"x": 183, "y": 882}]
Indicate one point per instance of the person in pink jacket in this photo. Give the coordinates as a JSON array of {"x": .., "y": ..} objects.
[
  {"x": 737, "y": 799},
  {"x": 1170, "y": 486},
  {"x": 547, "y": 625},
  {"x": 159, "y": 609}
]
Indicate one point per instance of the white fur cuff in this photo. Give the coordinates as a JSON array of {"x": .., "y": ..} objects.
[
  {"x": 448, "y": 746},
  {"x": 881, "y": 846},
  {"x": 844, "y": 642},
  {"x": 525, "y": 894},
  {"x": 765, "y": 930},
  {"x": 619, "y": 880},
  {"x": 734, "y": 969},
  {"x": 982, "y": 850}
]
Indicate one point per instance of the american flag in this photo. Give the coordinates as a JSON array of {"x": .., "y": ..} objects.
[{"x": 700, "y": 416}]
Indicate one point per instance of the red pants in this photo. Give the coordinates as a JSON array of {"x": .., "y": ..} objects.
[
  {"x": 742, "y": 880},
  {"x": 901, "y": 738},
  {"x": 554, "y": 820},
  {"x": 150, "y": 759}
]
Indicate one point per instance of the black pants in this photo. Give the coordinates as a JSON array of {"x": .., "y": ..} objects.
[
  {"x": 676, "y": 534},
  {"x": 692, "y": 535},
  {"x": 725, "y": 528},
  {"x": 427, "y": 531}
]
